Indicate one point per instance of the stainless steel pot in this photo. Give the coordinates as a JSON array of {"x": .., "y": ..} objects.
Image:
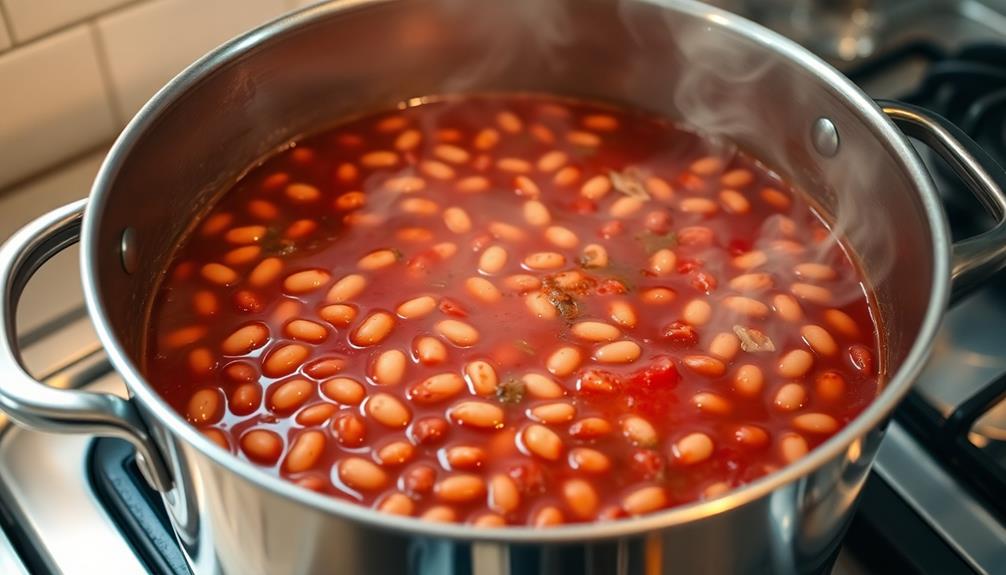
[{"x": 676, "y": 57}]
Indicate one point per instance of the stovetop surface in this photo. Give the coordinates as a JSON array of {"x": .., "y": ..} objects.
[{"x": 73, "y": 505}]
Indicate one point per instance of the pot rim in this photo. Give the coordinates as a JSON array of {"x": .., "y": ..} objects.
[{"x": 873, "y": 416}]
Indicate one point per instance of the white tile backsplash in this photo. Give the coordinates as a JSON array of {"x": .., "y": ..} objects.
[
  {"x": 72, "y": 72},
  {"x": 147, "y": 44},
  {"x": 61, "y": 86},
  {"x": 32, "y": 18},
  {"x": 53, "y": 103},
  {"x": 4, "y": 38},
  {"x": 55, "y": 289}
]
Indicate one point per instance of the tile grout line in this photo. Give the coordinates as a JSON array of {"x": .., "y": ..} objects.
[
  {"x": 15, "y": 43},
  {"x": 105, "y": 72},
  {"x": 41, "y": 173},
  {"x": 106, "y": 77},
  {"x": 91, "y": 18}
]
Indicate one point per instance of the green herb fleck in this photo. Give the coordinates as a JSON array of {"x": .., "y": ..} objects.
[
  {"x": 652, "y": 242},
  {"x": 510, "y": 391},
  {"x": 274, "y": 244}
]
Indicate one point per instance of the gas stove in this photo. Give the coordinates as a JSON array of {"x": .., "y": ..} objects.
[{"x": 935, "y": 502}]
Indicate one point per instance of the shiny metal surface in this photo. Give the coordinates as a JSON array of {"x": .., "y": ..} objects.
[
  {"x": 825, "y": 136},
  {"x": 127, "y": 250},
  {"x": 288, "y": 77},
  {"x": 975, "y": 259},
  {"x": 963, "y": 522},
  {"x": 967, "y": 355},
  {"x": 38, "y": 406},
  {"x": 10, "y": 562},
  {"x": 46, "y": 492}
]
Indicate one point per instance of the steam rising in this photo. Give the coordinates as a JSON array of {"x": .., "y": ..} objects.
[
  {"x": 511, "y": 30},
  {"x": 720, "y": 90},
  {"x": 724, "y": 89}
]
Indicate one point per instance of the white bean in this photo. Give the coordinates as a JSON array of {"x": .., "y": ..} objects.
[
  {"x": 618, "y": 352},
  {"x": 564, "y": 361},
  {"x": 482, "y": 289}
]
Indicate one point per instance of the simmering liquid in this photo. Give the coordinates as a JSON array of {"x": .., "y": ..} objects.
[{"x": 514, "y": 310}]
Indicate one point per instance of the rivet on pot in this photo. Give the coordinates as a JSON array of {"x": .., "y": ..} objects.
[
  {"x": 128, "y": 251},
  {"x": 824, "y": 135}
]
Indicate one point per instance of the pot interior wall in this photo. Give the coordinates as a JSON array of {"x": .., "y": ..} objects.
[{"x": 333, "y": 63}]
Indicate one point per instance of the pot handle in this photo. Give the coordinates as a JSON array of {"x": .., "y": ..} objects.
[
  {"x": 977, "y": 258},
  {"x": 45, "y": 408}
]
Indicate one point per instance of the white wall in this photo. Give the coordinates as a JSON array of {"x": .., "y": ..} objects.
[{"x": 72, "y": 72}]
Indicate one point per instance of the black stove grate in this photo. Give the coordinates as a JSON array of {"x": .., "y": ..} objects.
[
  {"x": 949, "y": 439},
  {"x": 984, "y": 467},
  {"x": 136, "y": 508}
]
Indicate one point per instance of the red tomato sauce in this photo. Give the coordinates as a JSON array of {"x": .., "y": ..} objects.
[{"x": 514, "y": 310}]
